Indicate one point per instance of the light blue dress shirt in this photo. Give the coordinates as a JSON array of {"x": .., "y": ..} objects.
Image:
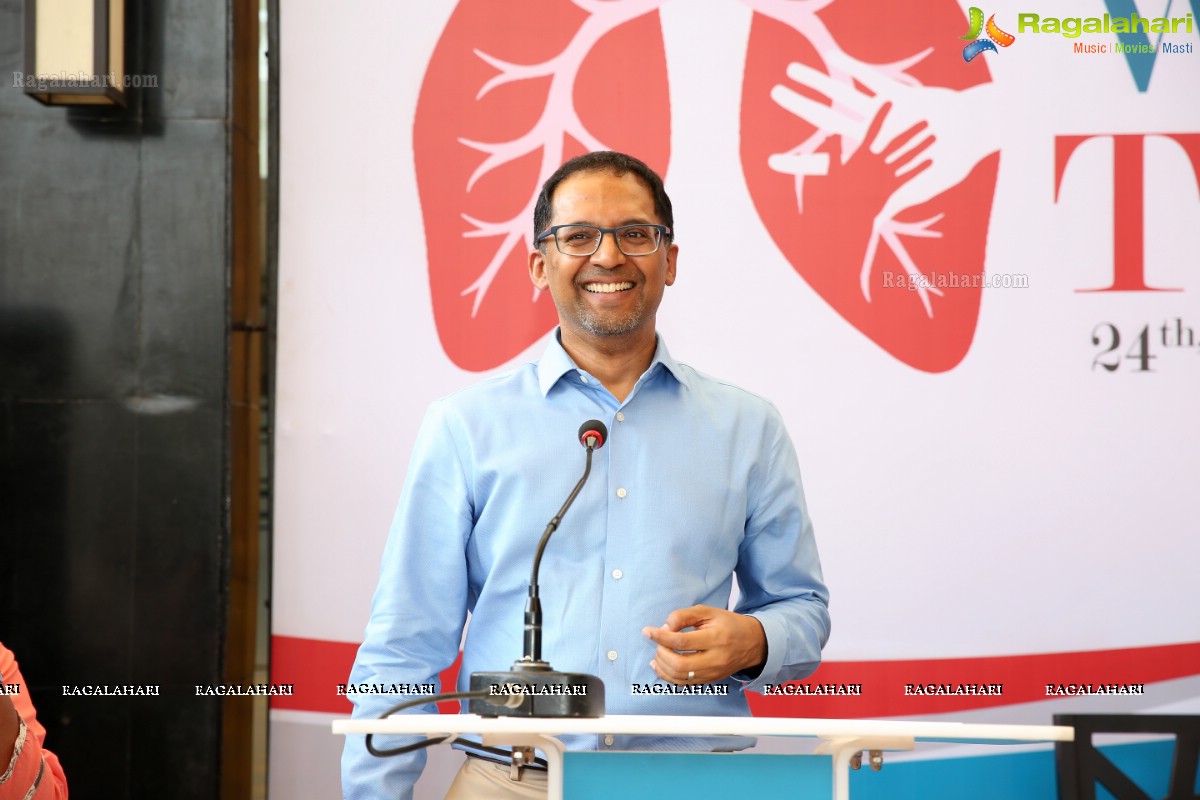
[{"x": 697, "y": 482}]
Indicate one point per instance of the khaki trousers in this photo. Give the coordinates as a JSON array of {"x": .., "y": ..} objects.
[{"x": 478, "y": 779}]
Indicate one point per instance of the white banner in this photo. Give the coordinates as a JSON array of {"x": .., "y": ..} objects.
[{"x": 989, "y": 363}]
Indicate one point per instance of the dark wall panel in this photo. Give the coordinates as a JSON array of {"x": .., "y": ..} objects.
[{"x": 114, "y": 411}]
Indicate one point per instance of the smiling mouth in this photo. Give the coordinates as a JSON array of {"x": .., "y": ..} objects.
[{"x": 608, "y": 288}]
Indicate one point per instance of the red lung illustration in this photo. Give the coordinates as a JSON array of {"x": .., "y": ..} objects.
[
  {"x": 866, "y": 149},
  {"x": 514, "y": 89}
]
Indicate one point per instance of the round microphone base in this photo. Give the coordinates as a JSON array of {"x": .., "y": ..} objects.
[{"x": 534, "y": 691}]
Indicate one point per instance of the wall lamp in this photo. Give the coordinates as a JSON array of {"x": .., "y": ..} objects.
[{"x": 75, "y": 52}]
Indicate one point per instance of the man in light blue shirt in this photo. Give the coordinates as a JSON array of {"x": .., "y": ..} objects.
[{"x": 698, "y": 482}]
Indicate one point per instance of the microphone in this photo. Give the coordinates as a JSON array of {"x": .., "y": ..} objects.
[
  {"x": 544, "y": 692},
  {"x": 593, "y": 434}
]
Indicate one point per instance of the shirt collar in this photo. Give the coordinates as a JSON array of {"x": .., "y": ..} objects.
[{"x": 555, "y": 363}]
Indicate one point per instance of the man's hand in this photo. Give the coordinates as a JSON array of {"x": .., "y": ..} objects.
[{"x": 720, "y": 644}]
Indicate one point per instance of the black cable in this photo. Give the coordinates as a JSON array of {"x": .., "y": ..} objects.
[
  {"x": 500, "y": 752},
  {"x": 408, "y": 748},
  {"x": 419, "y": 701}
]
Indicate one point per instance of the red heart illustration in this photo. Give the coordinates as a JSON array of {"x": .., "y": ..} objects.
[
  {"x": 512, "y": 91},
  {"x": 916, "y": 290}
]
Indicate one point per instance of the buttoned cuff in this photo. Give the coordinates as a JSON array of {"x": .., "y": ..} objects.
[{"x": 776, "y": 647}]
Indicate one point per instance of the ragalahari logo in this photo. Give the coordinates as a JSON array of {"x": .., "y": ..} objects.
[{"x": 994, "y": 37}]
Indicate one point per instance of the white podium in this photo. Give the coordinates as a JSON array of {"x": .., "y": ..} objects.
[{"x": 845, "y": 740}]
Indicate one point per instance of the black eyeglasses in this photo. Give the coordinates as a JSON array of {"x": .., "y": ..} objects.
[{"x": 584, "y": 240}]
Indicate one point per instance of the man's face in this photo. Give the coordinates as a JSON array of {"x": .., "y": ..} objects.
[{"x": 607, "y": 294}]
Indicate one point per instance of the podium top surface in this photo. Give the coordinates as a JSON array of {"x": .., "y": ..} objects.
[{"x": 647, "y": 725}]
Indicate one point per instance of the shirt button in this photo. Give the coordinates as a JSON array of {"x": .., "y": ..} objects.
[
  {"x": 616, "y": 573},
  {"x": 612, "y": 655},
  {"x": 583, "y": 378},
  {"x": 621, "y": 492},
  {"x": 608, "y": 740},
  {"x": 620, "y": 417}
]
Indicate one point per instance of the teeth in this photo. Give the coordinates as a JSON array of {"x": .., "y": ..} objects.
[{"x": 605, "y": 288}]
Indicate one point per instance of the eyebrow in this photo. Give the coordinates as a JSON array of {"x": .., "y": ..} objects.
[{"x": 629, "y": 221}]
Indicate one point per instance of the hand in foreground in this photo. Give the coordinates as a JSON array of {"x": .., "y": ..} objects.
[{"x": 719, "y": 644}]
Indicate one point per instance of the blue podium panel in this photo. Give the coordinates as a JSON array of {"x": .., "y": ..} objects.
[
  {"x": 696, "y": 776},
  {"x": 1006, "y": 776},
  {"x": 1015, "y": 776}
]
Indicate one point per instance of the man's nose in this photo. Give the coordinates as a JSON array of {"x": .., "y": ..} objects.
[{"x": 609, "y": 253}]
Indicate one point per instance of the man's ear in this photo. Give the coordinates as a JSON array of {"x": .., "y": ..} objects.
[
  {"x": 672, "y": 258},
  {"x": 537, "y": 268}
]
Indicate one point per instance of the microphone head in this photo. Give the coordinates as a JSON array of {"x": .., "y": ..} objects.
[{"x": 594, "y": 431}]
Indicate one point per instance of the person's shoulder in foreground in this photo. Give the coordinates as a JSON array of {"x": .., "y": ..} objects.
[{"x": 29, "y": 772}]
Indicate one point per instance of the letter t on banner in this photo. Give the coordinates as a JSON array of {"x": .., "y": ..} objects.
[{"x": 1129, "y": 267}]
